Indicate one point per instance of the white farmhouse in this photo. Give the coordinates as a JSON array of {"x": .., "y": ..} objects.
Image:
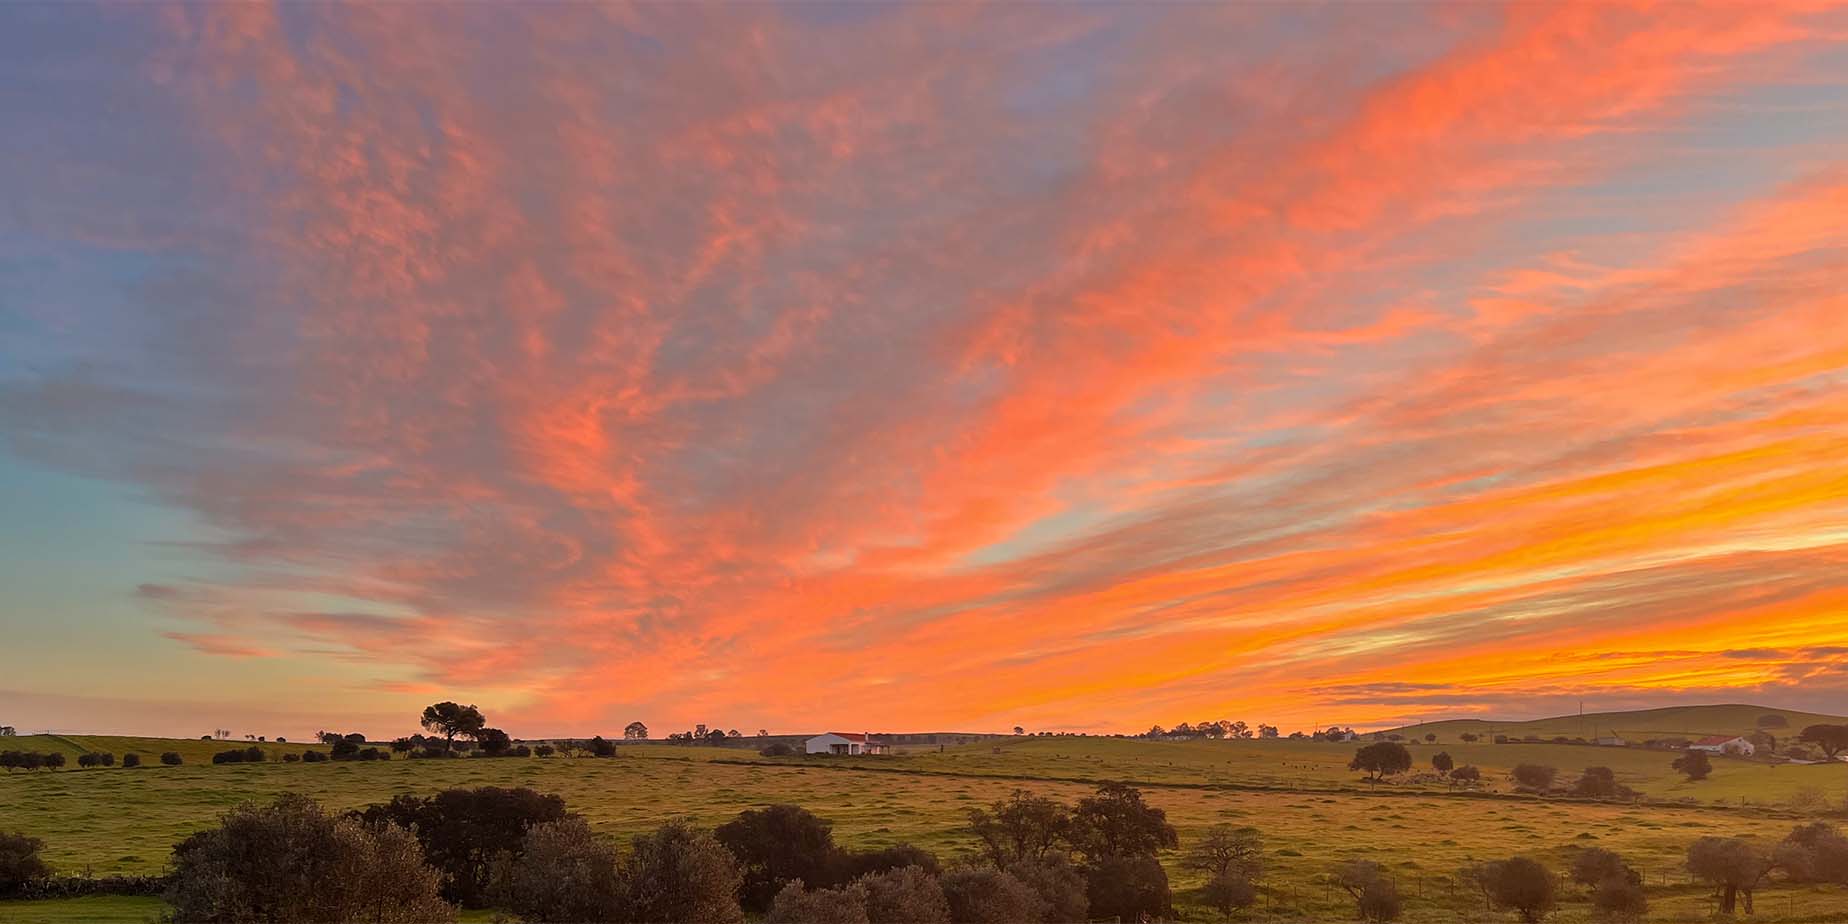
[
  {"x": 844, "y": 743},
  {"x": 1724, "y": 744}
]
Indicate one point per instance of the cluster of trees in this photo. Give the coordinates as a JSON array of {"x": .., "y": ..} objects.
[
  {"x": 1110, "y": 841},
  {"x": 100, "y": 759},
  {"x": 1217, "y": 728},
  {"x": 249, "y": 755},
  {"x": 30, "y": 760}
]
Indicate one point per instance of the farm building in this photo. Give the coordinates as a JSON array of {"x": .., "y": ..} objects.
[
  {"x": 844, "y": 743},
  {"x": 1724, "y": 744}
]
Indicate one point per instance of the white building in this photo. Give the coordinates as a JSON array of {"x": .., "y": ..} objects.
[
  {"x": 1724, "y": 744},
  {"x": 844, "y": 743}
]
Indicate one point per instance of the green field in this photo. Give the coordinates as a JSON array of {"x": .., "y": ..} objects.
[
  {"x": 1637, "y": 726},
  {"x": 1311, "y": 810}
]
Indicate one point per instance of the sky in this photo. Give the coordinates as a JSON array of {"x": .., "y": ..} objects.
[{"x": 919, "y": 367}]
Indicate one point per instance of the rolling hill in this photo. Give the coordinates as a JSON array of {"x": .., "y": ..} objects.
[{"x": 1636, "y": 725}]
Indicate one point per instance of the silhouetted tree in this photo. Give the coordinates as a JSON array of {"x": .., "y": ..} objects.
[
  {"x": 984, "y": 895},
  {"x": 1116, "y": 822},
  {"x": 599, "y": 747},
  {"x": 1024, "y": 826},
  {"x": 635, "y": 730},
  {"x": 1442, "y": 762},
  {"x": 796, "y": 904},
  {"x": 20, "y": 863},
  {"x": 464, "y": 831},
  {"x": 777, "y": 845},
  {"x": 906, "y": 895},
  {"x": 452, "y": 720},
  {"x": 1832, "y": 739}
]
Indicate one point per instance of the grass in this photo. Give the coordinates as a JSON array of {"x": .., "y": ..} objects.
[
  {"x": 1638, "y": 725},
  {"x": 1311, "y": 810}
]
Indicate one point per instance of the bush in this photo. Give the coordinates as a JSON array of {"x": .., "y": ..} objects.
[
  {"x": 1126, "y": 887},
  {"x": 131, "y": 760},
  {"x": 314, "y": 757},
  {"x": 779, "y": 749},
  {"x": 599, "y": 747},
  {"x": 291, "y": 862},
  {"x": 1733, "y": 866},
  {"x": 1522, "y": 885},
  {"x": 885, "y": 859},
  {"x": 910, "y": 895},
  {"x": 1442, "y": 762},
  {"x": 291, "y": 758},
  {"x": 1536, "y": 777},
  {"x": 544, "y": 750},
  {"x": 464, "y": 831},
  {"x": 249, "y": 755},
  {"x": 1594, "y": 865},
  {"x": 20, "y": 864},
  {"x": 1620, "y": 897},
  {"x": 563, "y": 873},
  {"x": 1059, "y": 885},
  {"x": 1601, "y": 783},
  {"x": 88, "y": 760},
  {"x": 680, "y": 873},
  {"x": 1466, "y": 774},
  {"x": 1375, "y": 895},
  {"x": 1115, "y": 822},
  {"x": 1228, "y": 893},
  {"x": 797, "y": 905},
  {"x": 343, "y": 749},
  {"x": 1022, "y": 827},
  {"x": 1816, "y": 852},
  {"x": 777, "y": 845},
  {"x": 172, "y": 759},
  {"x": 982, "y": 895}
]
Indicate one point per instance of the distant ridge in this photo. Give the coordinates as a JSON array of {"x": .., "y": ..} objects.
[{"x": 1667, "y": 721}]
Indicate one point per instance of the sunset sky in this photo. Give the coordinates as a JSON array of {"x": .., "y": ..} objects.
[{"x": 919, "y": 367}]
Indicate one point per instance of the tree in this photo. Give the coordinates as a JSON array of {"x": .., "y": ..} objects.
[
  {"x": 1465, "y": 775},
  {"x": 681, "y": 873},
  {"x": 599, "y": 747},
  {"x": 1599, "y": 783},
  {"x": 1430, "y": 737},
  {"x": 1442, "y": 762},
  {"x": 1733, "y": 866},
  {"x": 795, "y": 904},
  {"x": 465, "y": 832},
  {"x": 291, "y": 862},
  {"x": 1522, "y": 885},
  {"x": 716, "y": 738},
  {"x": 131, "y": 759},
  {"x": 1115, "y": 822},
  {"x": 1023, "y": 827},
  {"x": 1375, "y": 895},
  {"x": 1832, "y": 739},
  {"x": 1232, "y": 859},
  {"x": 1537, "y": 777},
  {"x": 1470, "y": 737},
  {"x": 1620, "y": 897},
  {"x": 907, "y": 895},
  {"x": 1267, "y": 731},
  {"x": 451, "y": 720},
  {"x": 777, "y": 845},
  {"x": 1381, "y": 759},
  {"x": 1128, "y": 886},
  {"x": 1694, "y": 764},
  {"x": 984, "y": 895},
  {"x": 20, "y": 864},
  {"x": 493, "y": 741},
  {"x": 635, "y": 731},
  {"x": 1019, "y": 731},
  {"x": 53, "y": 760},
  {"x": 563, "y": 873},
  {"x": 1060, "y": 886},
  {"x": 1596, "y": 864}
]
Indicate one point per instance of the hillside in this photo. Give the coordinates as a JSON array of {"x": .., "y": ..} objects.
[
  {"x": 192, "y": 750},
  {"x": 1636, "y": 725}
]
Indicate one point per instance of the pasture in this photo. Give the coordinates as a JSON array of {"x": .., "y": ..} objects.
[{"x": 1311, "y": 810}]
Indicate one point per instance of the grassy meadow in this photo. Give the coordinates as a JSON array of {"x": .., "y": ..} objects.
[{"x": 1311, "y": 810}]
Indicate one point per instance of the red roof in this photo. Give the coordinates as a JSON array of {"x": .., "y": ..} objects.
[{"x": 850, "y": 736}]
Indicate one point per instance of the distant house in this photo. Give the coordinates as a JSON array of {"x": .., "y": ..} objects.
[
  {"x": 1610, "y": 741},
  {"x": 1724, "y": 744},
  {"x": 845, "y": 743}
]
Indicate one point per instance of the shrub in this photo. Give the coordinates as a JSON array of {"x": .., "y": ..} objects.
[
  {"x": 599, "y": 747},
  {"x": 909, "y": 895},
  {"x": 1381, "y": 759},
  {"x": 1466, "y": 774},
  {"x": 20, "y": 864},
  {"x": 106, "y": 759},
  {"x": 563, "y": 873},
  {"x": 779, "y": 749},
  {"x": 239, "y": 756},
  {"x": 885, "y": 859},
  {"x": 1816, "y": 852},
  {"x": 1732, "y": 866},
  {"x": 172, "y": 758},
  {"x": 544, "y": 750},
  {"x": 797, "y": 905},
  {"x": 1126, "y": 887},
  {"x": 1522, "y": 885},
  {"x": 1375, "y": 895},
  {"x": 680, "y": 873},
  {"x": 982, "y": 895},
  {"x": 1694, "y": 764},
  {"x": 1620, "y": 897},
  {"x": 1226, "y": 894},
  {"x": 291, "y": 758},
  {"x": 520, "y": 751},
  {"x": 52, "y": 761},
  {"x": 463, "y": 831},
  {"x": 89, "y": 760},
  {"x": 291, "y": 862},
  {"x": 343, "y": 749},
  {"x": 1537, "y": 777},
  {"x": 131, "y": 760},
  {"x": 780, "y": 844},
  {"x": 1060, "y": 886},
  {"x": 1595, "y": 864},
  {"x": 314, "y": 757},
  {"x": 1600, "y": 783}
]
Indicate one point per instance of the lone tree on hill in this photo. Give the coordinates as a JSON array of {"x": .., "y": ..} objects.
[
  {"x": 1695, "y": 764},
  {"x": 1833, "y": 739},
  {"x": 449, "y": 720},
  {"x": 1381, "y": 759},
  {"x": 635, "y": 731}
]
